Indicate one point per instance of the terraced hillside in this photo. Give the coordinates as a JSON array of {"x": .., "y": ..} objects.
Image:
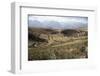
[{"x": 46, "y": 44}]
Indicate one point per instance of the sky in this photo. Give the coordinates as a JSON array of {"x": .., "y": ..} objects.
[{"x": 57, "y": 22}]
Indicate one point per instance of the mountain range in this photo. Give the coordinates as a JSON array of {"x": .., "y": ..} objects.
[{"x": 57, "y": 25}]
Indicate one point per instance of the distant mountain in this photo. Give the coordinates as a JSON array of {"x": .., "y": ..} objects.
[
  {"x": 52, "y": 24},
  {"x": 35, "y": 23},
  {"x": 57, "y": 25}
]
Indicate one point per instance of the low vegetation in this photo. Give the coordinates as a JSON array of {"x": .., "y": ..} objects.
[{"x": 73, "y": 44}]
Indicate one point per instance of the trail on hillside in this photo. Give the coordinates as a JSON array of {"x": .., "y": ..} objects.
[{"x": 68, "y": 43}]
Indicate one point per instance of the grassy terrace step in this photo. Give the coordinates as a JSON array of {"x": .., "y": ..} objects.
[{"x": 69, "y": 43}]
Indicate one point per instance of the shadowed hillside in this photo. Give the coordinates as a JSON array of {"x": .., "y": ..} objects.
[{"x": 73, "y": 32}]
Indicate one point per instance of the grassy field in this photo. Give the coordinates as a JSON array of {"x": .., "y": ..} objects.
[{"x": 73, "y": 48}]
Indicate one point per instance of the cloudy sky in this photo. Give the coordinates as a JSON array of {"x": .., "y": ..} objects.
[{"x": 57, "y": 22}]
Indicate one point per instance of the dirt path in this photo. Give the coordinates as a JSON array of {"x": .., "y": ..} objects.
[{"x": 68, "y": 43}]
